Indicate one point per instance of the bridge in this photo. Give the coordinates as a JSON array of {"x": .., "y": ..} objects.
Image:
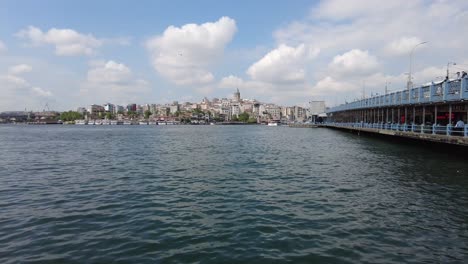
[{"x": 428, "y": 112}]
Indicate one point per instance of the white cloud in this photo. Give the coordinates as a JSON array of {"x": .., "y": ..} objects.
[
  {"x": 19, "y": 69},
  {"x": 280, "y": 74},
  {"x": 284, "y": 64},
  {"x": 41, "y": 92},
  {"x": 110, "y": 73},
  {"x": 402, "y": 46},
  {"x": 9, "y": 81},
  {"x": 382, "y": 35},
  {"x": 17, "y": 91},
  {"x": 354, "y": 62},
  {"x": 67, "y": 42},
  {"x": 231, "y": 82},
  {"x": 336, "y": 10},
  {"x": 114, "y": 82},
  {"x": 3, "y": 47},
  {"x": 185, "y": 54}
]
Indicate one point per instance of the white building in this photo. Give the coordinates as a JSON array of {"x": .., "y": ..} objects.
[
  {"x": 109, "y": 108},
  {"x": 119, "y": 109},
  {"x": 299, "y": 114},
  {"x": 174, "y": 107},
  {"x": 316, "y": 107}
]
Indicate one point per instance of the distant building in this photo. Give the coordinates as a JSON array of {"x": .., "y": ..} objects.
[
  {"x": 236, "y": 96},
  {"x": 109, "y": 108},
  {"x": 270, "y": 111},
  {"x": 81, "y": 110},
  {"x": 174, "y": 107},
  {"x": 235, "y": 110},
  {"x": 146, "y": 107},
  {"x": 299, "y": 114},
  {"x": 316, "y": 107},
  {"x": 119, "y": 109},
  {"x": 94, "y": 110},
  {"x": 131, "y": 107}
]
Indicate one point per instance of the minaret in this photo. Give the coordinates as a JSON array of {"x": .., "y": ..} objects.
[{"x": 237, "y": 95}]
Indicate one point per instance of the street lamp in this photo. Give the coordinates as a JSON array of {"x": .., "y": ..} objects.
[
  {"x": 386, "y": 84},
  {"x": 410, "y": 83},
  {"x": 448, "y": 64}
]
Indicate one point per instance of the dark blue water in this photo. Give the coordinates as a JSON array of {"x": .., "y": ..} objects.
[{"x": 226, "y": 194}]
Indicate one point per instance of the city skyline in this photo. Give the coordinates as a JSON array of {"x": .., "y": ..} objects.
[{"x": 287, "y": 54}]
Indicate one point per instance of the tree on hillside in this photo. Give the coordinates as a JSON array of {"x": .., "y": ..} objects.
[
  {"x": 132, "y": 114},
  {"x": 244, "y": 117},
  {"x": 109, "y": 115},
  {"x": 147, "y": 114},
  {"x": 70, "y": 116}
]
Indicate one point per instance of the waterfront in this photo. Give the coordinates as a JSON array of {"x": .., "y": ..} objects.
[{"x": 234, "y": 194}]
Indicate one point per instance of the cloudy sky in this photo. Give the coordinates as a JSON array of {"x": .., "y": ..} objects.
[{"x": 74, "y": 53}]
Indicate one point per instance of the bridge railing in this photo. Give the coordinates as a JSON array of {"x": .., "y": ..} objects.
[{"x": 448, "y": 130}]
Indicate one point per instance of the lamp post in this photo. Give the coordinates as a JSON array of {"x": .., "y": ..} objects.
[
  {"x": 386, "y": 89},
  {"x": 410, "y": 82},
  {"x": 448, "y": 64}
]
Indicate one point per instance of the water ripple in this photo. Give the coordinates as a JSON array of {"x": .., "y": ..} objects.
[{"x": 211, "y": 194}]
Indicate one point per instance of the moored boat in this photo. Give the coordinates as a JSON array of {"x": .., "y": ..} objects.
[
  {"x": 81, "y": 122},
  {"x": 273, "y": 123}
]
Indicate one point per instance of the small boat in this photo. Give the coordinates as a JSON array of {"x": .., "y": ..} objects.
[
  {"x": 143, "y": 123},
  {"x": 152, "y": 123},
  {"x": 273, "y": 123},
  {"x": 81, "y": 122},
  {"x": 126, "y": 122},
  {"x": 91, "y": 122}
]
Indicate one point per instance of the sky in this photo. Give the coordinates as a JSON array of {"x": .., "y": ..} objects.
[{"x": 68, "y": 54}]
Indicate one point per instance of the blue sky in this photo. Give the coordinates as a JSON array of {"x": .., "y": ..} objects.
[{"x": 74, "y": 53}]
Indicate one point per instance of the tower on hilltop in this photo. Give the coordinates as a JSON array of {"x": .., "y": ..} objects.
[{"x": 237, "y": 96}]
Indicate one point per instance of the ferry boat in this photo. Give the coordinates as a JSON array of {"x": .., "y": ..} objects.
[
  {"x": 152, "y": 123},
  {"x": 91, "y": 122},
  {"x": 143, "y": 123},
  {"x": 127, "y": 122}
]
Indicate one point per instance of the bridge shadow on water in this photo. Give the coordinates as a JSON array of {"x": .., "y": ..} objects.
[
  {"x": 412, "y": 160},
  {"x": 411, "y": 144}
]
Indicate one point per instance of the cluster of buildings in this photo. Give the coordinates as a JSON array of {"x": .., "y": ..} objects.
[{"x": 224, "y": 109}]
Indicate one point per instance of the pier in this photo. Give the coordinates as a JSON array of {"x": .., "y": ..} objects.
[
  {"x": 436, "y": 134},
  {"x": 436, "y": 112}
]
